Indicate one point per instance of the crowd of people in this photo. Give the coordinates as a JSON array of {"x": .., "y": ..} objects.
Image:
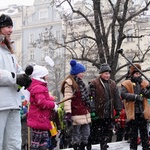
[{"x": 89, "y": 115}]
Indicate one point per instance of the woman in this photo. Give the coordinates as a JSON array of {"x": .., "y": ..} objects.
[
  {"x": 76, "y": 109},
  {"x": 10, "y": 98}
]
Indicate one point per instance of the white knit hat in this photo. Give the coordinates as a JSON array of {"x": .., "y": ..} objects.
[{"x": 39, "y": 71}]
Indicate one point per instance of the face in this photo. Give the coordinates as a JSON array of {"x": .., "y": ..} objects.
[
  {"x": 46, "y": 78},
  {"x": 80, "y": 75},
  {"x": 137, "y": 74},
  {"x": 7, "y": 31},
  {"x": 105, "y": 75}
]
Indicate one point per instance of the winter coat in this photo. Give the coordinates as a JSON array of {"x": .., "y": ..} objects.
[
  {"x": 41, "y": 104},
  {"x": 103, "y": 97},
  {"x": 9, "y": 97},
  {"x": 130, "y": 104},
  {"x": 61, "y": 114},
  {"x": 75, "y": 106},
  {"x": 122, "y": 118}
]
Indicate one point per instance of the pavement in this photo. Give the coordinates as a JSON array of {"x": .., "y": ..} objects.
[{"x": 123, "y": 145}]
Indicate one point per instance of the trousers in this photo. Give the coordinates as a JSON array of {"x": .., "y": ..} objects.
[{"x": 10, "y": 130}]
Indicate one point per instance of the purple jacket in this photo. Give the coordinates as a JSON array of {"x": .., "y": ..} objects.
[{"x": 41, "y": 104}]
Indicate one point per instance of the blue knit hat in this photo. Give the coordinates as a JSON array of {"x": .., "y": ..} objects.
[{"x": 76, "y": 67}]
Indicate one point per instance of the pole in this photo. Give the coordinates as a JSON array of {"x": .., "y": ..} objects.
[
  {"x": 120, "y": 51},
  {"x": 29, "y": 138},
  {"x": 64, "y": 100}
]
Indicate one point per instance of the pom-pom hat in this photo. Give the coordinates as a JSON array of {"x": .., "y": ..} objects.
[
  {"x": 39, "y": 71},
  {"x": 133, "y": 69},
  {"x": 5, "y": 21},
  {"x": 76, "y": 67}
]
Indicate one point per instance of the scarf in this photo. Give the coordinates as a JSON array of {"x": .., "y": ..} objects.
[{"x": 83, "y": 90}]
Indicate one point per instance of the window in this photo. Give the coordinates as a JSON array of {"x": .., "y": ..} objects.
[
  {"x": 45, "y": 53},
  {"x": 59, "y": 52},
  {"x": 58, "y": 37},
  {"x": 129, "y": 37},
  {"x": 31, "y": 38},
  {"x": 32, "y": 54},
  {"x": 43, "y": 14}
]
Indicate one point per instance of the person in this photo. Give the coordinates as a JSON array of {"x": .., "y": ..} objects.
[
  {"x": 10, "y": 97},
  {"x": 41, "y": 105},
  {"x": 135, "y": 92},
  {"x": 77, "y": 107},
  {"x": 105, "y": 95},
  {"x": 121, "y": 126}
]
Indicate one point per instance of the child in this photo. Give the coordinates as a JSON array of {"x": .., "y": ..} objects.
[
  {"x": 76, "y": 108},
  {"x": 41, "y": 105},
  {"x": 120, "y": 125}
]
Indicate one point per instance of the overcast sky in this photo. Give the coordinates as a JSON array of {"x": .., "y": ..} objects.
[{"x": 9, "y": 2}]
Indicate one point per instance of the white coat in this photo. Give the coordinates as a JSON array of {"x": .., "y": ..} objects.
[{"x": 9, "y": 97}]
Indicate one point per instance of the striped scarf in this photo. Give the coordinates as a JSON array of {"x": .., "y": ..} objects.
[{"x": 83, "y": 90}]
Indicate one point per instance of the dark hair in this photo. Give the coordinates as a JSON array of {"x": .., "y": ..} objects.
[{"x": 9, "y": 45}]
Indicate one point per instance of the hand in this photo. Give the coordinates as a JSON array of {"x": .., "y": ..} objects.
[
  {"x": 138, "y": 97},
  {"x": 145, "y": 92},
  {"x": 68, "y": 119},
  {"x": 23, "y": 80},
  {"x": 117, "y": 114},
  {"x": 55, "y": 107},
  {"x": 68, "y": 116}
]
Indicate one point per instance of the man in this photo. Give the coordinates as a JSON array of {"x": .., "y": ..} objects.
[
  {"x": 105, "y": 95},
  {"x": 135, "y": 92}
]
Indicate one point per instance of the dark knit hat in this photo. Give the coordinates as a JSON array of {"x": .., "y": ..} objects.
[
  {"x": 5, "y": 21},
  {"x": 133, "y": 69},
  {"x": 76, "y": 67},
  {"x": 105, "y": 68}
]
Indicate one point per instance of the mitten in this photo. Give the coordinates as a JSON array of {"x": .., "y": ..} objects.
[
  {"x": 23, "y": 80},
  {"x": 55, "y": 107},
  {"x": 138, "y": 97},
  {"x": 117, "y": 114},
  {"x": 68, "y": 119},
  {"x": 145, "y": 92}
]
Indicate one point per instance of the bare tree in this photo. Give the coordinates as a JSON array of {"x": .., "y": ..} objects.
[
  {"x": 56, "y": 71},
  {"x": 104, "y": 30}
]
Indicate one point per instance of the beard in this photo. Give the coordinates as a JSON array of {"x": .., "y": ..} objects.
[{"x": 136, "y": 79}]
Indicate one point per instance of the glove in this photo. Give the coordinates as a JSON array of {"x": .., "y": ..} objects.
[
  {"x": 138, "y": 97},
  {"x": 117, "y": 115},
  {"x": 145, "y": 92},
  {"x": 94, "y": 116},
  {"x": 56, "y": 107},
  {"x": 23, "y": 80},
  {"x": 68, "y": 119}
]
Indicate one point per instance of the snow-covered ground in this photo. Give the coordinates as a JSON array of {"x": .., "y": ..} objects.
[{"x": 123, "y": 145}]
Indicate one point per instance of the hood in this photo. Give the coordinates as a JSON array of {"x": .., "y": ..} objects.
[{"x": 36, "y": 83}]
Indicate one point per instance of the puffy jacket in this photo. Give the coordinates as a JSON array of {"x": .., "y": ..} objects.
[
  {"x": 9, "y": 97},
  {"x": 41, "y": 104},
  {"x": 80, "y": 112}
]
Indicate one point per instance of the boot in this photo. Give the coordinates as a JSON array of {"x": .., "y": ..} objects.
[
  {"x": 76, "y": 147},
  {"x": 104, "y": 146},
  {"x": 89, "y": 146},
  {"x": 82, "y": 146},
  {"x": 103, "y": 143}
]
